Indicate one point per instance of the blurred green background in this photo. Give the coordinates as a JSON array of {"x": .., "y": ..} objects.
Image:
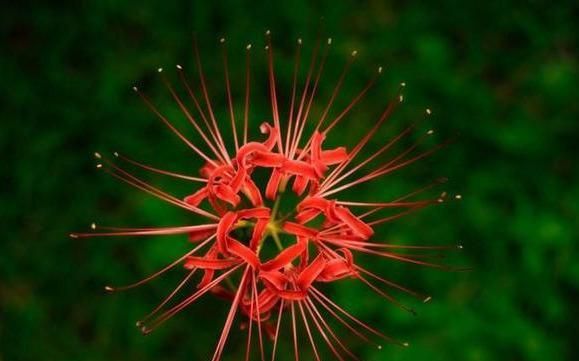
[{"x": 501, "y": 75}]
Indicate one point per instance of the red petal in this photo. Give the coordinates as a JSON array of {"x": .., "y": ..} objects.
[
  {"x": 311, "y": 272},
  {"x": 334, "y": 156},
  {"x": 358, "y": 227},
  {"x": 300, "y": 230},
  {"x": 208, "y": 263},
  {"x": 273, "y": 184},
  {"x": 284, "y": 257}
]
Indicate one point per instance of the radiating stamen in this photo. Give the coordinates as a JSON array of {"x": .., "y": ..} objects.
[
  {"x": 157, "y": 170},
  {"x": 230, "y": 316},
  {"x": 228, "y": 89},
  {"x": 293, "y": 97},
  {"x": 313, "y": 62},
  {"x": 277, "y": 328},
  {"x": 272, "y": 91},
  {"x": 335, "y": 92},
  {"x": 174, "y": 310},
  {"x": 247, "y": 91},
  {"x": 311, "y": 99},
  {"x": 208, "y": 102},
  {"x": 354, "y": 319},
  {"x": 171, "y": 126},
  {"x": 322, "y": 332},
  {"x": 189, "y": 116},
  {"x": 308, "y": 331},
  {"x": 123, "y": 175}
]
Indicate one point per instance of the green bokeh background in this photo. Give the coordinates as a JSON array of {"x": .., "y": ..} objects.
[{"x": 502, "y": 77}]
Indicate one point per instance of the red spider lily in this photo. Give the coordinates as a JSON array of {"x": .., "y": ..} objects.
[{"x": 244, "y": 216}]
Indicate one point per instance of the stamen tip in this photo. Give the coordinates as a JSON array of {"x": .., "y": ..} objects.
[
  {"x": 73, "y": 235},
  {"x": 97, "y": 155},
  {"x": 458, "y": 196},
  {"x": 403, "y": 84},
  {"x": 428, "y": 111},
  {"x": 379, "y": 347},
  {"x": 427, "y": 299},
  {"x": 222, "y": 40},
  {"x": 405, "y": 344},
  {"x": 355, "y": 52},
  {"x": 135, "y": 89},
  {"x": 116, "y": 154},
  {"x": 139, "y": 323},
  {"x": 459, "y": 246},
  {"x": 109, "y": 289},
  {"x": 179, "y": 67},
  {"x": 430, "y": 132},
  {"x": 329, "y": 41},
  {"x": 248, "y": 47},
  {"x": 267, "y": 32},
  {"x": 401, "y": 98},
  {"x": 379, "y": 70},
  {"x": 144, "y": 330},
  {"x": 93, "y": 226},
  {"x": 300, "y": 41},
  {"x": 160, "y": 70},
  {"x": 99, "y": 165}
]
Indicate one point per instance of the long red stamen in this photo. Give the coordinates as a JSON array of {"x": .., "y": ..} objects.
[
  {"x": 171, "y": 126},
  {"x": 322, "y": 332},
  {"x": 230, "y": 316},
  {"x": 308, "y": 331},
  {"x": 171, "y": 312},
  {"x": 215, "y": 142},
  {"x": 247, "y": 91},
  {"x": 157, "y": 170},
  {"x": 293, "y": 97},
  {"x": 313, "y": 61},
  {"x": 208, "y": 102},
  {"x": 311, "y": 99},
  {"x": 272, "y": 91},
  {"x": 277, "y": 328},
  {"x": 229, "y": 98}
]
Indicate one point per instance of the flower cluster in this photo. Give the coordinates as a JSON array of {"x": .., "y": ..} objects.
[{"x": 264, "y": 259}]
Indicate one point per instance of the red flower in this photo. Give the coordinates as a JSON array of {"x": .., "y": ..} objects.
[{"x": 315, "y": 242}]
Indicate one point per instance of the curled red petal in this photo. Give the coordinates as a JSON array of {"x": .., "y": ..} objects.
[
  {"x": 245, "y": 253},
  {"x": 300, "y": 184},
  {"x": 334, "y": 156},
  {"x": 258, "y": 212},
  {"x": 300, "y": 230},
  {"x": 307, "y": 215},
  {"x": 223, "y": 228},
  {"x": 200, "y": 235},
  {"x": 272, "y": 133},
  {"x": 258, "y": 232},
  {"x": 209, "y": 263},
  {"x": 245, "y": 153},
  {"x": 196, "y": 198},
  {"x": 268, "y": 159},
  {"x": 274, "y": 279},
  {"x": 311, "y": 272},
  {"x": 284, "y": 257},
  {"x": 273, "y": 184},
  {"x": 357, "y": 226},
  {"x": 252, "y": 193},
  {"x": 227, "y": 194},
  {"x": 301, "y": 168}
]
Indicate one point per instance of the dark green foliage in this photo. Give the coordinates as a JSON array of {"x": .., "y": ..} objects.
[{"x": 500, "y": 76}]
